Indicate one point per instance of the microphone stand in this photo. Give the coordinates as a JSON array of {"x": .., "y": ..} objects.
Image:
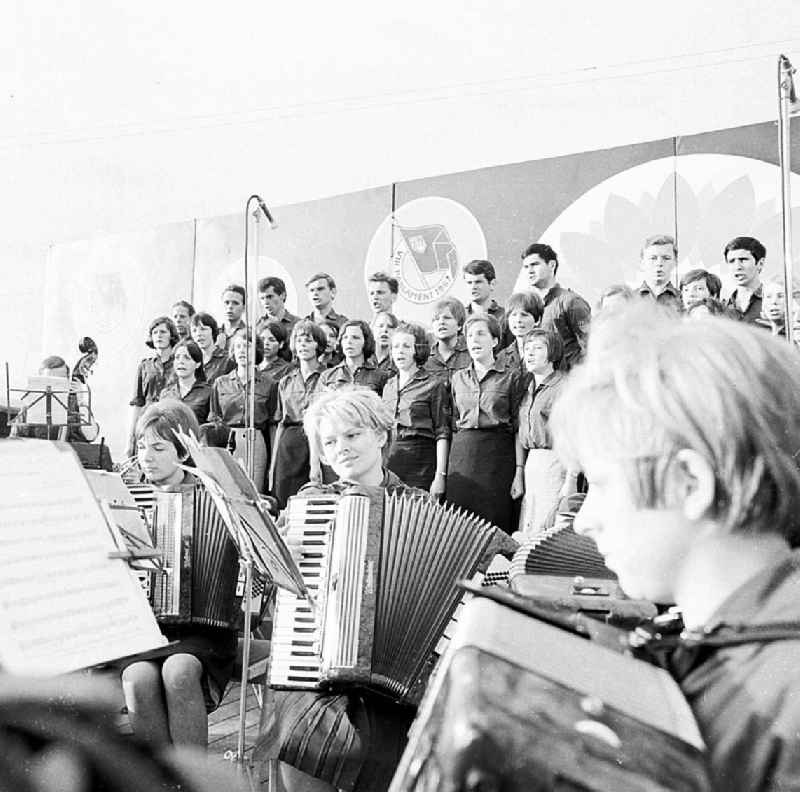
[
  {"x": 260, "y": 213},
  {"x": 246, "y": 563},
  {"x": 787, "y": 100}
]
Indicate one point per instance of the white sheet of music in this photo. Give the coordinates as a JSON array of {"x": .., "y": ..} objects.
[{"x": 64, "y": 604}]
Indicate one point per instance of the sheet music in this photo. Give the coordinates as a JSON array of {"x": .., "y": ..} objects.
[
  {"x": 250, "y": 526},
  {"x": 64, "y": 604}
]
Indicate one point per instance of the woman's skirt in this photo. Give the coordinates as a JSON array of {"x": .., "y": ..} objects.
[
  {"x": 481, "y": 471},
  {"x": 291, "y": 463},
  {"x": 413, "y": 460},
  {"x": 544, "y": 478},
  {"x": 353, "y": 741},
  {"x": 214, "y": 647}
]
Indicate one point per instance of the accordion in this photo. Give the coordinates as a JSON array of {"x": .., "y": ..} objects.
[
  {"x": 383, "y": 570},
  {"x": 565, "y": 571},
  {"x": 195, "y": 581},
  {"x": 524, "y": 706}
]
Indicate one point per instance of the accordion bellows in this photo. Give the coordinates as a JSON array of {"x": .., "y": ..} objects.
[
  {"x": 383, "y": 569},
  {"x": 559, "y": 551},
  {"x": 196, "y": 578}
]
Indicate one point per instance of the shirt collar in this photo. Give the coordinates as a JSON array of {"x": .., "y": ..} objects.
[
  {"x": 552, "y": 293},
  {"x": 418, "y": 376},
  {"x": 668, "y": 289},
  {"x": 769, "y": 595},
  {"x": 497, "y": 365},
  {"x": 550, "y": 379}
]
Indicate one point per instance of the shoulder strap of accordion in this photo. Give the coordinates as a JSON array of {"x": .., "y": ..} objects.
[{"x": 736, "y": 634}]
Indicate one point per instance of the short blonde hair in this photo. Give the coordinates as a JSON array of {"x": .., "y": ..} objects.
[
  {"x": 351, "y": 406},
  {"x": 651, "y": 386},
  {"x": 779, "y": 282}
]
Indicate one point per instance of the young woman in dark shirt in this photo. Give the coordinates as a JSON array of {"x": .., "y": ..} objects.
[
  {"x": 357, "y": 345},
  {"x": 168, "y": 697},
  {"x": 485, "y": 466},
  {"x": 153, "y": 372},
  {"x": 277, "y": 356},
  {"x": 524, "y": 312},
  {"x": 420, "y": 404},
  {"x": 204, "y": 330},
  {"x": 384, "y": 324},
  {"x": 291, "y": 461},
  {"x": 188, "y": 383},
  {"x": 230, "y": 407}
]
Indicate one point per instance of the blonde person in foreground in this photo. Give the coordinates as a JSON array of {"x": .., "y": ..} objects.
[{"x": 689, "y": 436}]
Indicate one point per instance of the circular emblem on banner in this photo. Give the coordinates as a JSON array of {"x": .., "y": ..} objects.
[{"x": 425, "y": 245}]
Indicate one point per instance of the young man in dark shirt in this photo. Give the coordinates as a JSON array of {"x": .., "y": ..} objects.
[
  {"x": 382, "y": 291},
  {"x": 321, "y": 290},
  {"x": 234, "y": 308},
  {"x": 272, "y": 296},
  {"x": 659, "y": 256},
  {"x": 565, "y": 312},
  {"x": 693, "y": 509},
  {"x": 745, "y": 257}
]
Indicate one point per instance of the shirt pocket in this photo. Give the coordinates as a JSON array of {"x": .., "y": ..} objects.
[
  {"x": 495, "y": 400},
  {"x": 420, "y": 414}
]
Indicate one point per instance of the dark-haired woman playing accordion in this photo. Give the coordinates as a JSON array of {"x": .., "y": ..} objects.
[{"x": 169, "y": 696}]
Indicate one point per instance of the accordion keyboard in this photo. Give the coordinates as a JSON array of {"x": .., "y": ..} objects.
[
  {"x": 296, "y": 631},
  {"x": 441, "y": 647}
]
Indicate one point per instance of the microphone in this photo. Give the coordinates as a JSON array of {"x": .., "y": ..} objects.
[{"x": 265, "y": 209}]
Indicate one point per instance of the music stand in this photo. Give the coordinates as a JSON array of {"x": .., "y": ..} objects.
[
  {"x": 46, "y": 400},
  {"x": 255, "y": 535}
]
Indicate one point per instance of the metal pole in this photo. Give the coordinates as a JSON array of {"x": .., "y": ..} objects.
[
  {"x": 252, "y": 299},
  {"x": 786, "y": 97},
  {"x": 246, "y": 638}
]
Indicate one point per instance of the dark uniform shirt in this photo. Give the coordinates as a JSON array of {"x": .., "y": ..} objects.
[
  {"x": 421, "y": 408},
  {"x": 459, "y": 359},
  {"x": 569, "y": 315},
  {"x": 499, "y": 313},
  {"x": 534, "y": 413},
  {"x": 219, "y": 363},
  {"x": 198, "y": 398},
  {"x": 288, "y": 320},
  {"x": 277, "y": 369},
  {"x": 511, "y": 358},
  {"x": 387, "y": 364},
  {"x": 669, "y": 297},
  {"x": 487, "y": 403},
  {"x": 753, "y": 311},
  {"x": 332, "y": 318},
  {"x": 294, "y": 396},
  {"x": 230, "y": 400},
  {"x": 367, "y": 375},
  {"x": 746, "y": 698},
  {"x": 226, "y": 334},
  {"x": 151, "y": 379}
]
